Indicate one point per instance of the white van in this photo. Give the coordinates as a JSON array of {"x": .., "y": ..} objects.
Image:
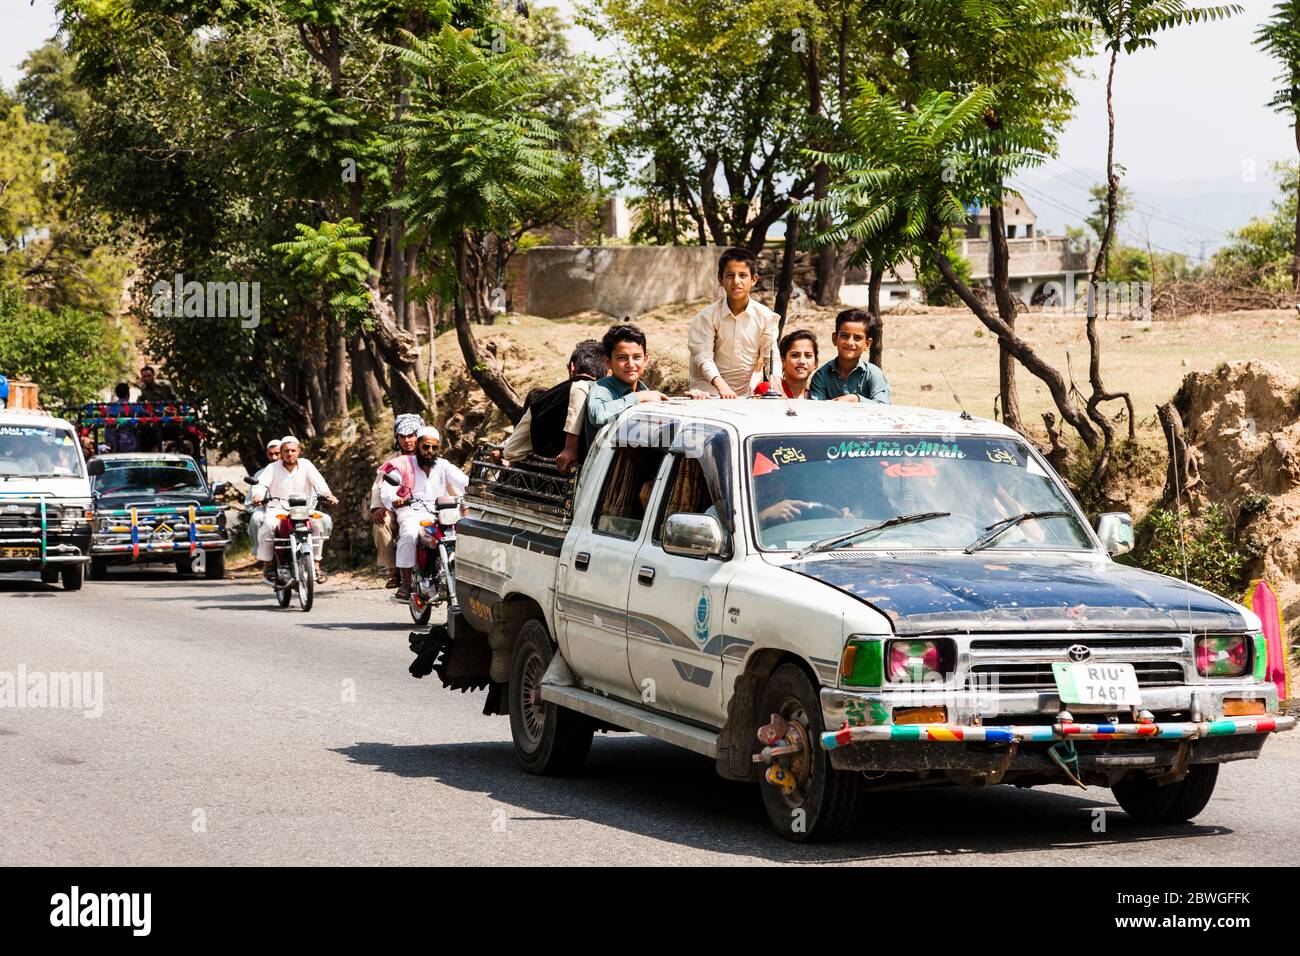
[{"x": 45, "y": 502}]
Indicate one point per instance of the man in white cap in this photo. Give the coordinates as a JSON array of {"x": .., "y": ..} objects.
[
  {"x": 383, "y": 520},
  {"x": 291, "y": 477},
  {"x": 256, "y": 515},
  {"x": 430, "y": 478}
]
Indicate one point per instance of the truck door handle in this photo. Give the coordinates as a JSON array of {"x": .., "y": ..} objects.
[
  {"x": 645, "y": 574},
  {"x": 581, "y": 560}
]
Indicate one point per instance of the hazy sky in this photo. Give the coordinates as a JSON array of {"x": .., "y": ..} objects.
[{"x": 1192, "y": 109}]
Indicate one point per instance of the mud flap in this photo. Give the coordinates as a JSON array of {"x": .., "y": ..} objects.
[
  {"x": 460, "y": 664},
  {"x": 736, "y": 742}
]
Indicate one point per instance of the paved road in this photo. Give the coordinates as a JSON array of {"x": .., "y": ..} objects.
[{"x": 236, "y": 733}]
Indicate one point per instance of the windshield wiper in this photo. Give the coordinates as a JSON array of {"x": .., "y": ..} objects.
[
  {"x": 993, "y": 531},
  {"x": 828, "y": 543}
]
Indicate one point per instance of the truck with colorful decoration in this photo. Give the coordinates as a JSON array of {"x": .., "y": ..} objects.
[
  {"x": 825, "y": 598},
  {"x": 45, "y": 500}
]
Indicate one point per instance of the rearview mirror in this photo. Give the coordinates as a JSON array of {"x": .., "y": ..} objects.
[
  {"x": 1115, "y": 529},
  {"x": 693, "y": 536},
  {"x": 95, "y": 467},
  {"x": 392, "y": 479},
  {"x": 219, "y": 488}
]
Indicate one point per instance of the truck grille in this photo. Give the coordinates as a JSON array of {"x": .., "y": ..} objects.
[
  {"x": 1034, "y": 675},
  {"x": 1107, "y": 642}
]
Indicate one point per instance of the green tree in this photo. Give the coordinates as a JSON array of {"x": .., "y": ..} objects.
[
  {"x": 900, "y": 180},
  {"x": 479, "y": 158},
  {"x": 1279, "y": 37},
  {"x": 1262, "y": 251},
  {"x": 69, "y": 353}
]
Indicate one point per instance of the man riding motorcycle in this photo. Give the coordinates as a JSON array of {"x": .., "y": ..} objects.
[
  {"x": 257, "y": 515},
  {"x": 291, "y": 477},
  {"x": 425, "y": 477},
  {"x": 384, "y": 521}
]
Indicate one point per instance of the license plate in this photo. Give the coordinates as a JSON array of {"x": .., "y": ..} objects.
[
  {"x": 28, "y": 552},
  {"x": 1096, "y": 684}
]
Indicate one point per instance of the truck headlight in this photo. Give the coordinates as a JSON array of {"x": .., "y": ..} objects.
[
  {"x": 1222, "y": 656},
  {"x": 915, "y": 661}
]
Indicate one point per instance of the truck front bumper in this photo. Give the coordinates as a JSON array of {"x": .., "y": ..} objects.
[{"x": 1012, "y": 732}]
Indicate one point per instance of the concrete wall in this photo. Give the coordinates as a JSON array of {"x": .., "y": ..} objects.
[{"x": 616, "y": 280}]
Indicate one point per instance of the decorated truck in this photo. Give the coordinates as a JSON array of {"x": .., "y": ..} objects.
[
  {"x": 45, "y": 501},
  {"x": 826, "y": 598}
]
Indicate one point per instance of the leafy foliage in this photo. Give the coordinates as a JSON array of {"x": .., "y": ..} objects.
[
  {"x": 1213, "y": 560},
  {"x": 1262, "y": 249},
  {"x": 71, "y": 354}
]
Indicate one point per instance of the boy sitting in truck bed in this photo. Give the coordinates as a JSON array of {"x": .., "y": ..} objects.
[
  {"x": 849, "y": 377},
  {"x": 553, "y": 422}
]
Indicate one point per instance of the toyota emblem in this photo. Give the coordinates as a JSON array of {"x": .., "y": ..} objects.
[{"x": 1078, "y": 652}]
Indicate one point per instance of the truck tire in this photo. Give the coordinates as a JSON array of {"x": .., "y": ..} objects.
[
  {"x": 49, "y": 575},
  {"x": 214, "y": 565},
  {"x": 824, "y": 803},
  {"x": 98, "y": 569},
  {"x": 1147, "y": 802},
  {"x": 185, "y": 566},
  {"x": 548, "y": 739},
  {"x": 72, "y": 577}
]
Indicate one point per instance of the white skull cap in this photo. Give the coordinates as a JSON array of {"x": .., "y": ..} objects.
[
  {"x": 289, "y": 440},
  {"x": 274, "y": 443},
  {"x": 428, "y": 431}
]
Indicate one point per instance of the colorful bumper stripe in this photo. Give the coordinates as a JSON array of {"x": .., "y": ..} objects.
[{"x": 1047, "y": 733}]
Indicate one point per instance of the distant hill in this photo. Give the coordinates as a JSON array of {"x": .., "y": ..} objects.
[{"x": 1189, "y": 216}]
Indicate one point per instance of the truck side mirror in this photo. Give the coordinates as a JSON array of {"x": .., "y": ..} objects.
[
  {"x": 219, "y": 488},
  {"x": 95, "y": 467},
  {"x": 693, "y": 536},
  {"x": 1115, "y": 529}
]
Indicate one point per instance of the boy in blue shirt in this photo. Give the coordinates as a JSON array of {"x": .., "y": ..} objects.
[{"x": 849, "y": 377}]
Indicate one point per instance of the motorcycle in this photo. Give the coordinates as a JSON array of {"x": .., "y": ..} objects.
[
  {"x": 433, "y": 580},
  {"x": 293, "y": 555}
]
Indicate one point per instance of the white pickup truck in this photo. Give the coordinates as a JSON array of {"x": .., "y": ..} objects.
[{"x": 827, "y": 597}]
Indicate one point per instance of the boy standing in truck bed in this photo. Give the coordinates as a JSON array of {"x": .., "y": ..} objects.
[{"x": 733, "y": 340}]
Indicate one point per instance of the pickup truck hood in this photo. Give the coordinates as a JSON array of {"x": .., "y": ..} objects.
[{"x": 928, "y": 594}]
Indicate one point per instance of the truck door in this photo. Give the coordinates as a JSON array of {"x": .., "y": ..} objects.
[
  {"x": 597, "y": 562},
  {"x": 677, "y": 604}
]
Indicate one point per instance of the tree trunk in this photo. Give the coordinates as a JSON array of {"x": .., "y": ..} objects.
[
  {"x": 785, "y": 279},
  {"x": 1295, "y": 252},
  {"x": 469, "y": 299},
  {"x": 337, "y": 396},
  {"x": 1006, "y": 302},
  {"x": 1020, "y": 349},
  {"x": 877, "y": 355},
  {"x": 432, "y": 323},
  {"x": 399, "y": 351},
  {"x": 314, "y": 381},
  {"x": 364, "y": 382},
  {"x": 1182, "y": 473}
]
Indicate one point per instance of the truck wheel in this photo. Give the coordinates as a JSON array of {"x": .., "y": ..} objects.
[
  {"x": 1146, "y": 801},
  {"x": 72, "y": 577},
  {"x": 548, "y": 739},
  {"x": 824, "y": 802},
  {"x": 185, "y": 566},
  {"x": 49, "y": 575},
  {"x": 214, "y": 567},
  {"x": 98, "y": 569}
]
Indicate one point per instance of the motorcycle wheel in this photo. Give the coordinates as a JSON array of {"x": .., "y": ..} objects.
[
  {"x": 306, "y": 581},
  {"x": 416, "y": 604}
]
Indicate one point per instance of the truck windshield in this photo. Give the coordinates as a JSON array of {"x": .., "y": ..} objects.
[
  {"x": 38, "y": 451},
  {"x": 810, "y": 488},
  {"x": 149, "y": 476}
]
